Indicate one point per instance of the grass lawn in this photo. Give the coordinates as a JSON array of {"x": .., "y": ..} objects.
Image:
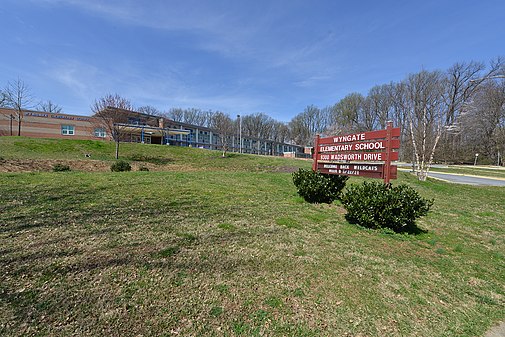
[
  {"x": 40, "y": 154},
  {"x": 226, "y": 247},
  {"x": 470, "y": 170}
]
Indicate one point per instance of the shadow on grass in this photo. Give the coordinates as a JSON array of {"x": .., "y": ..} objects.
[
  {"x": 410, "y": 229},
  {"x": 167, "y": 254},
  {"x": 150, "y": 159}
]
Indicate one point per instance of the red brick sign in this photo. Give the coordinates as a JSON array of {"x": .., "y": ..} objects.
[{"x": 365, "y": 154}]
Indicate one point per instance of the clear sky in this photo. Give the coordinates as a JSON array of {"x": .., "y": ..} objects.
[{"x": 236, "y": 56}]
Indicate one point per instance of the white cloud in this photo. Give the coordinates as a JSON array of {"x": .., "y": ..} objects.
[
  {"x": 78, "y": 77},
  {"x": 163, "y": 89},
  {"x": 257, "y": 33},
  {"x": 257, "y": 37}
]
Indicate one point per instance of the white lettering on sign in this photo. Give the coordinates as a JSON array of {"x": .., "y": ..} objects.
[
  {"x": 366, "y": 167},
  {"x": 379, "y": 145},
  {"x": 345, "y": 156},
  {"x": 372, "y": 156},
  {"x": 351, "y": 173},
  {"x": 335, "y": 148},
  {"x": 349, "y": 138},
  {"x": 369, "y": 146}
]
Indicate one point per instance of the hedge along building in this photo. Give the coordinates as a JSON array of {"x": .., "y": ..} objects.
[{"x": 136, "y": 127}]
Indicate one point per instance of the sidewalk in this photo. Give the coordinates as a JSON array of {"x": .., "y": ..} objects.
[
  {"x": 496, "y": 331},
  {"x": 460, "y": 178}
]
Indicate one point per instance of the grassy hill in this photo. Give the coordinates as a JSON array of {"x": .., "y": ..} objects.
[
  {"x": 156, "y": 157},
  {"x": 210, "y": 246}
]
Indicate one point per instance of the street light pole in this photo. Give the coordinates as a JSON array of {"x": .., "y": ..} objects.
[
  {"x": 476, "y": 156},
  {"x": 240, "y": 133}
]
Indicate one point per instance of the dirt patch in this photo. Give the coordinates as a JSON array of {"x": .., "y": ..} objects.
[{"x": 46, "y": 165}]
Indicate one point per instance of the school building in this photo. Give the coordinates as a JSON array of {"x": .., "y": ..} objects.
[{"x": 135, "y": 127}]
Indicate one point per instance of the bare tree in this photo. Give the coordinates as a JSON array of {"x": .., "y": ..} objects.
[
  {"x": 425, "y": 115},
  {"x": 111, "y": 112},
  {"x": 224, "y": 126},
  {"x": 198, "y": 117},
  {"x": 280, "y": 132},
  {"x": 397, "y": 95},
  {"x": 190, "y": 116},
  {"x": 17, "y": 96},
  {"x": 258, "y": 125},
  {"x": 50, "y": 107},
  {"x": 347, "y": 114},
  {"x": 149, "y": 110},
  {"x": 380, "y": 106},
  {"x": 483, "y": 121},
  {"x": 175, "y": 114},
  {"x": 304, "y": 126},
  {"x": 461, "y": 84},
  {"x": 3, "y": 99}
]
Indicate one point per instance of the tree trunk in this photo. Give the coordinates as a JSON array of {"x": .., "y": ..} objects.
[{"x": 117, "y": 149}]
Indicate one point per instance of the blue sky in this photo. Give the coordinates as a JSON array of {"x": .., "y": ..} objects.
[{"x": 239, "y": 57}]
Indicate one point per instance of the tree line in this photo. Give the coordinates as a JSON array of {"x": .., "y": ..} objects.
[{"x": 445, "y": 116}]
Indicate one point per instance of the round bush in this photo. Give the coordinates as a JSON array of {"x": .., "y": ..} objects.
[
  {"x": 120, "y": 166},
  {"x": 316, "y": 187},
  {"x": 61, "y": 168},
  {"x": 379, "y": 205}
]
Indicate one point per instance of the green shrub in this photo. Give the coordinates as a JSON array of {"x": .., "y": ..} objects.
[
  {"x": 143, "y": 168},
  {"x": 61, "y": 168},
  {"x": 120, "y": 166},
  {"x": 316, "y": 187},
  {"x": 379, "y": 205}
]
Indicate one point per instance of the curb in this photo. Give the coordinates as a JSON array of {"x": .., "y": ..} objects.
[{"x": 496, "y": 331}]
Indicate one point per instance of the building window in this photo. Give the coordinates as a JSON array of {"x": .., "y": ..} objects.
[
  {"x": 67, "y": 130},
  {"x": 100, "y": 132}
]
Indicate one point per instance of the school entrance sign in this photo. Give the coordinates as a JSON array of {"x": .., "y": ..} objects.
[{"x": 366, "y": 154}]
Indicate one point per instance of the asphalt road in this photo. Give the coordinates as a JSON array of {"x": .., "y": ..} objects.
[{"x": 469, "y": 180}]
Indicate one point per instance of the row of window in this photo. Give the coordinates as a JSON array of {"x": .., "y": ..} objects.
[{"x": 69, "y": 130}]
